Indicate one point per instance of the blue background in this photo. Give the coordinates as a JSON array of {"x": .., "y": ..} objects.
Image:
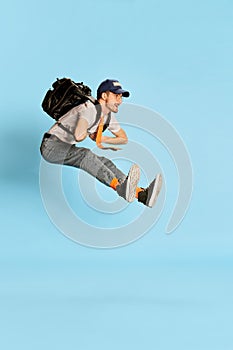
[{"x": 163, "y": 291}]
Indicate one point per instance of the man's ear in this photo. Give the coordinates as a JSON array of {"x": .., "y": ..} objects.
[{"x": 104, "y": 96}]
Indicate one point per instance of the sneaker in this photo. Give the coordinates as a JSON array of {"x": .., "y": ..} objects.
[
  {"x": 149, "y": 195},
  {"x": 127, "y": 189}
]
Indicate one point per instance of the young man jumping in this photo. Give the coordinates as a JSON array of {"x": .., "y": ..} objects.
[{"x": 61, "y": 144}]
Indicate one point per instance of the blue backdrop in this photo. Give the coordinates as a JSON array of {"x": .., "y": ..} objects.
[{"x": 163, "y": 291}]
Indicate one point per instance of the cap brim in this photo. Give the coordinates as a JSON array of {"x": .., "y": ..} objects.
[{"x": 121, "y": 91}]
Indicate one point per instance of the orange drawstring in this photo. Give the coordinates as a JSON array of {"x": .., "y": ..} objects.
[{"x": 99, "y": 132}]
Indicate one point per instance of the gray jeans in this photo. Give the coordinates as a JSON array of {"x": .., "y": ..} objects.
[{"x": 56, "y": 151}]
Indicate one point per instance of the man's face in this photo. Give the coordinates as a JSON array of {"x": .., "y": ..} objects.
[{"x": 113, "y": 101}]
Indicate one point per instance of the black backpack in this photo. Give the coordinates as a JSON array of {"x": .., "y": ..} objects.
[{"x": 65, "y": 95}]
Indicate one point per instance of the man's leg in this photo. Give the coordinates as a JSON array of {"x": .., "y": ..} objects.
[
  {"x": 117, "y": 172},
  {"x": 56, "y": 151}
]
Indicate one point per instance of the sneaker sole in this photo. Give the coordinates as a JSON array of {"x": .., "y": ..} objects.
[
  {"x": 133, "y": 178},
  {"x": 155, "y": 192}
]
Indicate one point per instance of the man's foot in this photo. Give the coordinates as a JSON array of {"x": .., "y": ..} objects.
[
  {"x": 149, "y": 195},
  {"x": 127, "y": 189}
]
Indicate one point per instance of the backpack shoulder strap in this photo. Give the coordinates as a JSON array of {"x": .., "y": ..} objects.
[
  {"x": 106, "y": 124},
  {"x": 98, "y": 114},
  {"x": 64, "y": 128},
  {"x": 97, "y": 118}
]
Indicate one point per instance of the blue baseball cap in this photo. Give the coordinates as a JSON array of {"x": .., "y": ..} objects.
[{"x": 113, "y": 86}]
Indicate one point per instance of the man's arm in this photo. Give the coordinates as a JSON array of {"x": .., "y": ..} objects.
[
  {"x": 120, "y": 138},
  {"x": 81, "y": 130}
]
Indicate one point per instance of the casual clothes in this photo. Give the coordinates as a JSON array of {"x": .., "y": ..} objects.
[
  {"x": 69, "y": 121},
  {"x": 58, "y": 145}
]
